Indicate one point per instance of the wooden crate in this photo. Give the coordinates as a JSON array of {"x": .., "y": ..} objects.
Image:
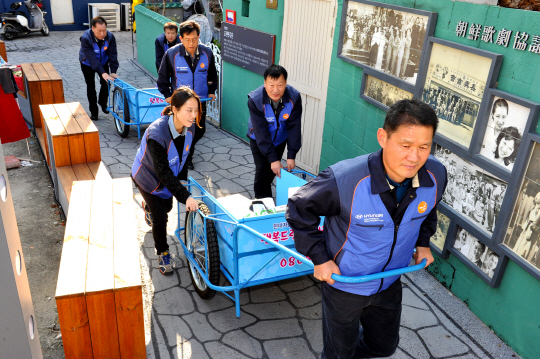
[{"x": 99, "y": 291}]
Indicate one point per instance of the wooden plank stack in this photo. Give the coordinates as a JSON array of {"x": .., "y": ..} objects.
[
  {"x": 71, "y": 146},
  {"x": 99, "y": 290}
]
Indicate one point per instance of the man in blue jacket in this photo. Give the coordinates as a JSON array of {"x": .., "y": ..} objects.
[
  {"x": 378, "y": 208},
  {"x": 193, "y": 65},
  {"x": 275, "y": 115},
  {"x": 98, "y": 55},
  {"x": 165, "y": 41}
]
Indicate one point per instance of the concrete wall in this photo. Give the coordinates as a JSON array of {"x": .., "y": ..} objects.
[
  {"x": 351, "y": 124},
  {"x": 238, "y": 81}
]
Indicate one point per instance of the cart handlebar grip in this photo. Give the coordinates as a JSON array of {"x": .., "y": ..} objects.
[{"x": 337, "y": 278}]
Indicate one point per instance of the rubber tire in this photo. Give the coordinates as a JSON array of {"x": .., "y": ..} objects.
[
  {"x": 8, "y": 37},
  {"x": 212, "y": 256},
  {"x": 45, "y": 29},
  {"x": 122, "y": 132}
]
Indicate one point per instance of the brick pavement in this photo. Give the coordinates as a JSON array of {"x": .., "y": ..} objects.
[{"x": 280, "y": 320}]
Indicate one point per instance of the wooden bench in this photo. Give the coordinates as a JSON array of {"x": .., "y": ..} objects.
[
  {"x": 3, "y": 52},
  {"x": 99, "y": 290},
  {"x": 71, "y": 144},
  {"x": 43, "y": 86}
]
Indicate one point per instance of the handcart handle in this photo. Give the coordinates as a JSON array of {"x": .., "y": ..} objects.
[
  {"x": 338, "y": 278},
  {"x": 161, "y": 96}
]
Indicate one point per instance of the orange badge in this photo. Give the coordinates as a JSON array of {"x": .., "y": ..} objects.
[
  {"x": 422, "y": 207},
  {"x": 202, "y": 66},
  {"x": 105, "y": 48},
  {"x": 285, "y": 116},
  {"x": 187, "y": 148}
]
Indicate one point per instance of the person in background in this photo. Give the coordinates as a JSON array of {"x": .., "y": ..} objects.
[
  {"x": 193, "y": 65},
  {"x": 165, "y": 41},
  {"x": 98, "y": 55},
  {"x": 160, "y": 165},
  {"x": 192, "y": 7},
  {"x": 378, "y": 208},
  {"x": 275, "y": 120}
]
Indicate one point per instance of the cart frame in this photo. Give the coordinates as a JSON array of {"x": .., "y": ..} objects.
[{"x": 224, "y": 217}]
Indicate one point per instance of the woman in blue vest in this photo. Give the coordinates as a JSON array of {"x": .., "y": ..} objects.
[
  {"x": 159, "y": 167},
  {"x": 98, "y": 55}
]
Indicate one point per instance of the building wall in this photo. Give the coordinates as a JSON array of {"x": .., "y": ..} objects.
[
  {"x": 80, "y": 13},
  {"x": 350, "y": 128},
  {"x": 239, "y": 82}
]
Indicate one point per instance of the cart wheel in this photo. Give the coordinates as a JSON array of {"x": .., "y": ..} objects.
[
  {"x": 195, "y": 243},
  {"x": 121, "y": 109}
]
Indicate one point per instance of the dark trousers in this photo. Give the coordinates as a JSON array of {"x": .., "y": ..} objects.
[
  {"x": 263, "y": 171},
  {"x": 90, "y": 79},
  {"x": 199, "y": 132},
  {"x": 356, "y": 326},
  {"x": 159, "y": 207}
]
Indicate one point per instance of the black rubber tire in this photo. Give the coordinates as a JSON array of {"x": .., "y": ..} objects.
[
  {"x": 122, "y": 129},
  {"x": 212, "y": 256},
  {"x": 45, "y": 29},
  {"x": 10, "y": 36}
]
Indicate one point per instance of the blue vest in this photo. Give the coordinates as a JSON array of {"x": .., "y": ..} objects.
[
  {"x": 373, "y": 242},
  {"x": 197, "y": 81},
  {"x": 101, "y": 53},
  {"x": 278, "y": 131},
  {"x": 143, "y": 171}
]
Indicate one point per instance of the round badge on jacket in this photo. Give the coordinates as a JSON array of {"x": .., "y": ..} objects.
[
  {"x": 285, "y": 116},
  {"x": 202, "y": 66},
  {"x": 187, "y": 148},
  {"x": 105, "y": 48},
  {"x": 422, "y": 207}
]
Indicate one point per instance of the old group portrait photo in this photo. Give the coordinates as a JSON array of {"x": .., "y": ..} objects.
[
  {"x": 454, "y": 88},
  {"x": 383, "y": 92},
  {"x": 443, "y": 223},
  {"x": 387, "y": 40},
  {"x": 471, "y": 191},
  {"x": 476, "y": 252},
  {"x": 504, "y": 132},
  {"x": 523, "y": 234}
]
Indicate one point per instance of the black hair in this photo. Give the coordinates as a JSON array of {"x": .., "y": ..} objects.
[
  {"x": 98, "y": 20},
  {"x": 171, "y": 26},
  {"x": 410, "y": 112},
  {"x": 187, "y": 27},
  {"x": 275, "y": 72},
  {"x": 179, "y": 98},
  {"x": 510, "y": 134}
]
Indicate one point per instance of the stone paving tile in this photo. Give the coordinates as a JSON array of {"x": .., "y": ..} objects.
[
  {"x": 178, "y": 324},
  {"x": 441, "y": 343}
]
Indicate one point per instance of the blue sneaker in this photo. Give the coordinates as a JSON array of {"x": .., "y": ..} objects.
[
  {"x": 165, "y": 263},
  {"x": 147, "y": 215}
]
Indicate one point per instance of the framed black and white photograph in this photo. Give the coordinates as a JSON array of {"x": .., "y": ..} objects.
[
  {"x": 387, "y": 38},
  {"x": 381, "y": 93},
  {"x": 479, "y": 257},
  {"x": 522, "y": 237},
  {"x": 507, "y": 120},
  {"x": 471, "y": 191},
  {"x": 455, "y": 83},
  {"x": 439, "y": 239}
]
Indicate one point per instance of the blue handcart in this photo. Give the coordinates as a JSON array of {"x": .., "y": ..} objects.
[
  {"x": 248, "y": 251},
  {"x": 134, "y": 107}
]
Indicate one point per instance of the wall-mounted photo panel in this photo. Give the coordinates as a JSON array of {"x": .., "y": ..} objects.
[
  {"x": 455, "y": 83},
  {"x": 506, "y": 122},
  {"x": 387, "y": 38},
  {"x": 381, "y": 93},
  {"x": 478, "y": 256},
  {"x": 522, "y": 238},
  {"x": 471, "y": 191}
]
